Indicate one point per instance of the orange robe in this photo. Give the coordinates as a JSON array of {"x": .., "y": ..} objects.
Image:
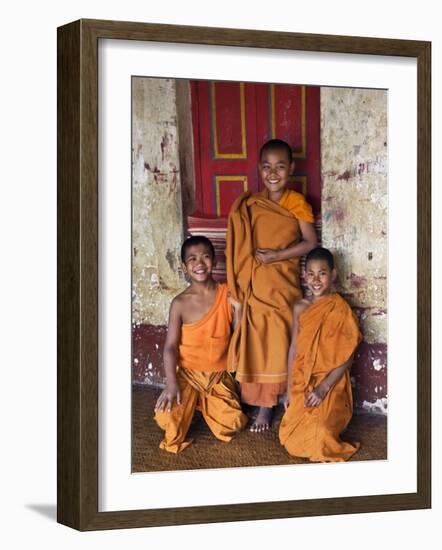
[
  {"x": 259, "y": 347},
  {"x": 203, "y": 381},
  {"x": 327, "y": 338}
]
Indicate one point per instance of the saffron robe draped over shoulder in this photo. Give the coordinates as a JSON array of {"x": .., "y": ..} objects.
[
  {"x": 205, "y": 342},
  {"x": 203, "y": 381},
  {"x": 259, "y": 347},
  {"x": 327, "y": 338}
]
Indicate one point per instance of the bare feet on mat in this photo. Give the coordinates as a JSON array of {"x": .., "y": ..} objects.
[{"x": 263, "y": 420}]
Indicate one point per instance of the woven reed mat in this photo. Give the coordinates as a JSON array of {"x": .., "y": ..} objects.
[{"x": 246, "y": 449}]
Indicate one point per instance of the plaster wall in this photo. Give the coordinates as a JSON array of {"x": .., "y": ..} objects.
[
  {"x": 157, "y": 209},
  {"x": 354, "y": 168}
]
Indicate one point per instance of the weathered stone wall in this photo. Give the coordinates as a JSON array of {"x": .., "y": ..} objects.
[
  {"x": 186, "y": 150},
  {"x": 354, "y": 216},
  {"x": 156, "y": 199}
]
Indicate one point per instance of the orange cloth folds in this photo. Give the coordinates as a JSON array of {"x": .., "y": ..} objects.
[
  {"x": 258, "y": 350},
  {"x": 264, "y": 395},
  {"x": 327, "y": 338},
  {"x": 214, "y": 395},
  {"x": 204, "y": 344},
  {"x": 296, "y": 204}
]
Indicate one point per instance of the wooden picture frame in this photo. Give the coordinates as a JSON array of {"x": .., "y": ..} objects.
[{"x": 77, "y": 226}]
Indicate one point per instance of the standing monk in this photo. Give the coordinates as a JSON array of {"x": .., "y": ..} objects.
[{"x": 267, "y": 234}]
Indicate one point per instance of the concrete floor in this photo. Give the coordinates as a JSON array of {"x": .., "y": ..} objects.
[{"x": 246, "y": 449}]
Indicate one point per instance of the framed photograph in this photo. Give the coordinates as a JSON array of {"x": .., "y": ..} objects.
[{"x": 159, "y": 130}]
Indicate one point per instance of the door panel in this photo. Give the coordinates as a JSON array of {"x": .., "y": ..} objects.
[{"x": 231, "y": 121}]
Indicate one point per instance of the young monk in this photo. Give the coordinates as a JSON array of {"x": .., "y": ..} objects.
[
  {"x": 267, "y": 233},
  {"x": 324, "y": 337},
  {"x": 197, "y": 340}
]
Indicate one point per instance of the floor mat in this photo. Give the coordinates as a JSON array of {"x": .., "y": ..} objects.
[{"x": 246, "y": 449}]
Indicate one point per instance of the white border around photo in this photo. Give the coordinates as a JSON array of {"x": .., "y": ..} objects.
[{"x": 118, "y": 488}]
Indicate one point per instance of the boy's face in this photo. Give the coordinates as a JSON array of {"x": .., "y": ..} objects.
[
  {"x": 275, "y": 168},
  {"x": 319, "y": 277},
  {"x": 199, "y": 262}
]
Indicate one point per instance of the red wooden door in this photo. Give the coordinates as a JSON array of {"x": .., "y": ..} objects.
[{"x": 231, "y": 121}]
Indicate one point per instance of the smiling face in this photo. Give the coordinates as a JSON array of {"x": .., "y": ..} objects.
[
  {"x": 198, "y": 262},
  {"x": 275, "y": 168},
  {"x": 319, "y": 277}
]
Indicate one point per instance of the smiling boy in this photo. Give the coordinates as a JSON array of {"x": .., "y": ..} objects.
[
  {"x": 319, "y": 401},
  {"x": 267, "y": 234},
  {"x": 200, "y": 322}
]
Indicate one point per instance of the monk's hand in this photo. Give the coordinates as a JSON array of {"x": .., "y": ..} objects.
[
  {"x": 312, "y": 400},
  {"x": 266, "y": 255},
  {"x": 167, "y": 397},
  {"x": 315, "y": 397},
  {"x": 286, "y": 400}
]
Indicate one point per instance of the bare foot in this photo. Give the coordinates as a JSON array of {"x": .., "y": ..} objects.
[{"x": 263, "y": 420}]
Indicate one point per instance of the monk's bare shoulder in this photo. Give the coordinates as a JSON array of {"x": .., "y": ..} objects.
[
  {"x": 178, "y": 303},
  {"x": 300, "y": 306}
]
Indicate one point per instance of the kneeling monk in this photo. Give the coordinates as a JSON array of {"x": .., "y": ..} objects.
[
  {"x": 197, "y": 341},
  {"x": 319, "y": 401}
]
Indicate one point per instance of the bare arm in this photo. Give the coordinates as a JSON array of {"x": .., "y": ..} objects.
[
  {"x": 316, "y": 397},
  {"x": 307, "y": 243},
  {"x": 237, "y": 311},
  {"x": 170, "y": 356},
  {"x": 297, "y": 310}
]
